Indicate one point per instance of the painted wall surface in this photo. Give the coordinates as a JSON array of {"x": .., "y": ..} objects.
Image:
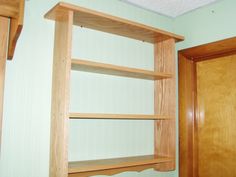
[
  {"x": 26, "y": 125},
  {"x": 207, "y": 24}
]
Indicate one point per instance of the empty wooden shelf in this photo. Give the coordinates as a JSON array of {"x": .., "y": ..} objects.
[
  {"x": 115, "y": 165},
  {"x": 163, "y": 76},
  {"x": 117, "y": 116},
  {"x": 103, "y": 68}
]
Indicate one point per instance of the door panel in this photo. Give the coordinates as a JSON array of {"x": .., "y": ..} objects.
[{"x": 216, "y": 117}]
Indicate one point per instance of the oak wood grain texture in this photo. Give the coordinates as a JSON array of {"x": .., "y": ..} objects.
[
  {"x": 165, "y": 103},
  {"x": 111, "y": 24},
  {"x": 216, "y": 93},
  {"x": 102, "y": 68},
  {"x": 4, "y": 23},
  {"x": 117, "y": 116},
  {"x": 211, "y": 50},
  {"x": 187, "y": 93},
  {"x": 60, "y": 96},
  {"x": 115, "y": 163},
  {"x": 110, "y": 172},
  {"x": 16, "y": 26},
  {"x": 165, "y": 97},
  {"x": 14, "y": 10},
  {"x": 9, "y": 8}
]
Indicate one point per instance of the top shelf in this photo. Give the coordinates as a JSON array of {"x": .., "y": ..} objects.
[{"x": 111, "y": 24}]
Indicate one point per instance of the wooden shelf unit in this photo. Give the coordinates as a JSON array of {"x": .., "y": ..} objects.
[{"x": 67, "y": 15}]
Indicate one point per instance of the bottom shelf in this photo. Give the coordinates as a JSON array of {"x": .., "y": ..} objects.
[{"x": 114, "y": 166}]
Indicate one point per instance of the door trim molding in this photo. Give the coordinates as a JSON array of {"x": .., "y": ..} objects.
[{"x": 187, "y": 59}]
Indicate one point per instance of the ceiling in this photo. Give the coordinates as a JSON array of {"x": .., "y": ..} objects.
[{"x": 171, "y": 8}]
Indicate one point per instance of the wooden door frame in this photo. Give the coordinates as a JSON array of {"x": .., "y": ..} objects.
[{"x": 187, "y": 59}]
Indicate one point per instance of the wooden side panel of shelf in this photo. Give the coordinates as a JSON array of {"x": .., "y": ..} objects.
[
  {"x": 60, "y": 96},
  {"x": 165, "y": 103},
  {"x": 3, "y": 52}
]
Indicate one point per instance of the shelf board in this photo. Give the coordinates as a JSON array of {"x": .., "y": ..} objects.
[
  {"x": 116, "y": 116},
  {"x": 95, "y": 67},
  {"x": 115, "y": 165},
  {"x": 111, "y": 24}
]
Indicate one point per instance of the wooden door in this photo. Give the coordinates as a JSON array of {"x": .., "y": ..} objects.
[
  {"x": 216, "y": 117},
  {"x": 207, "y": 110}
]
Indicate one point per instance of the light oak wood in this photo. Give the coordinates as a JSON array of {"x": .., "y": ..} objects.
[
  {"x": 111, "y": 24},
  {"x": 116, "y": 163},
  {"x": 110, "y": 172},
  {"x": 9, "y": 8},
  {"x": 216, "y": 113},
  {"x": 60, "y": 96},
  {"x": 165, "y": 103},
  {"x": 14, "y": 10},
  {"x": 117, "y": 116},
  {"x": 211, "y": 50},
  {"x": 4, "y": 23},
  {"x": 89, "y": 66},
  {"x": 163, "y": 75},
  {"x": 16, "y": 26}
]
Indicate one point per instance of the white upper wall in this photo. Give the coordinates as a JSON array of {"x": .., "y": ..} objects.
[{"x": 169, "y": 7}]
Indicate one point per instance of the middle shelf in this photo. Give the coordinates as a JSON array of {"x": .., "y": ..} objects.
[
  {"x": 95, "y": 67},
  {"x": 102, "y": 68},
  {"x": 117, "y": 116}
]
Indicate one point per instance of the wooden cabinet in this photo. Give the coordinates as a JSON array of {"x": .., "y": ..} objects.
[
  {"x": 67, "y": 15},
  {"x": 11, "y": 24}
]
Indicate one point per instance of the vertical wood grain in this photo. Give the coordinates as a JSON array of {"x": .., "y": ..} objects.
[
  {"x": 60, "y": 96},
  {"x": 187, "y": 142},
  {"x": 165, "y": 103},
  {"x": 3, "y": 52},
  {"x": 216, "y": 100}
]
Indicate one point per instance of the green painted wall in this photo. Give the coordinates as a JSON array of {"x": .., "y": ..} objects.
[
  {"x": 26, "y": 126},
  {"x": 207, "y": 24}
]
